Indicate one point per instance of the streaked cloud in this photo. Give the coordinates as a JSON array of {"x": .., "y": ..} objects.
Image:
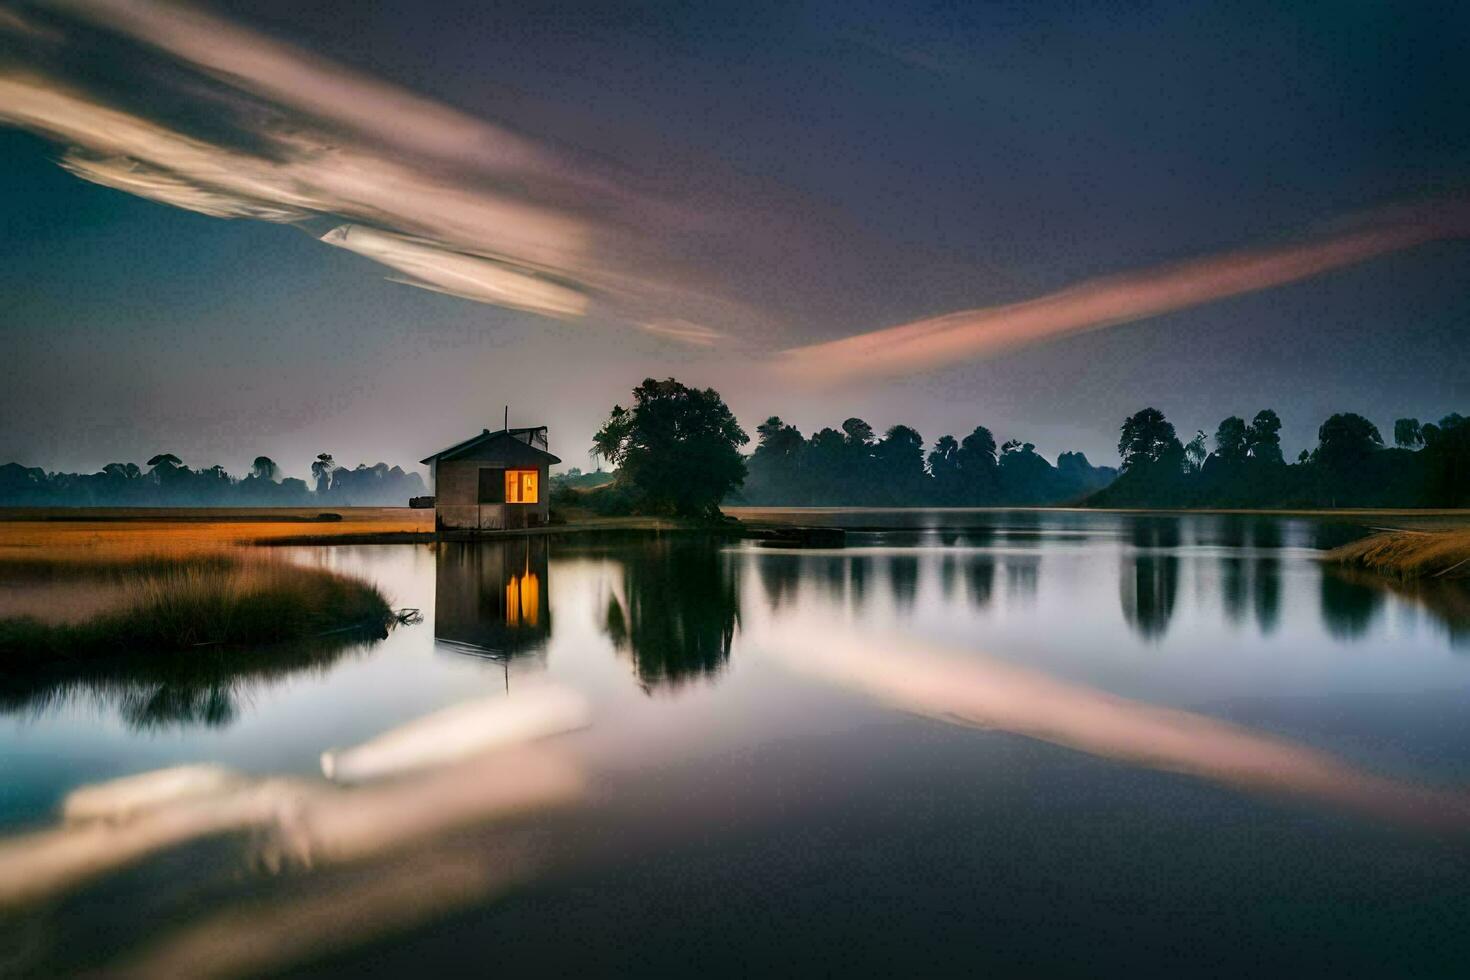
[
  {"x": 454, "y": 203},
  {"x": 1098, "y": 303},
  {"x": 126, "y": 174},
  {"x": 683, "y": 331},
  {"x": 466, "y": 276},
  {"x": 210, "y": 116}
]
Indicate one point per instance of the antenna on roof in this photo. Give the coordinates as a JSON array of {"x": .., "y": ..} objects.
[{"x": 507, "y": 418}]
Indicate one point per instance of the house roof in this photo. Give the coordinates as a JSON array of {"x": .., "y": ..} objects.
[{"x": 515, "y": 450}]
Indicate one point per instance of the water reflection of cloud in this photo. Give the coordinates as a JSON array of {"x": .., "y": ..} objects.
[
  {"x": 454, "y": 771},
  {"x": 1023, "y": 576},
  {"x": 975, "y": 690}
]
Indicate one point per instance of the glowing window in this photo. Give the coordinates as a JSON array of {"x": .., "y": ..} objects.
[{"x": 520, "y": 486}]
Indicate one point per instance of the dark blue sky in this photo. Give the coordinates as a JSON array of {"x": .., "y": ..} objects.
[{"x": 780, "y": 175}]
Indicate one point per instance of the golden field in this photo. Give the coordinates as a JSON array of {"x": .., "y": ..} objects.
[{"x": 41, "y": 537}]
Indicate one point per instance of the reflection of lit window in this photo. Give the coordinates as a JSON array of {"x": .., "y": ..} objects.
[
  {"x": 520, "y": 486},
  {"x": 522, "y": 600}
]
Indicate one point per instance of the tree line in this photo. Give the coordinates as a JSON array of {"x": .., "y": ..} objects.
[
  {"x": 855, "y": 466},
  {"x": 678, "y": 451},
  {"x": 1429, "y": 465},
  {"x": 167, "y": 482}
]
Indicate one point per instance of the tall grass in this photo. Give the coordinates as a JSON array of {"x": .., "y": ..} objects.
[
  {"x": 200, "y": 601},
  {"x": 1409, "y": 554}
]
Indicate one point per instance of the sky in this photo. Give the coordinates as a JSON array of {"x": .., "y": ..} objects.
[{"x": 293, "y": 227}]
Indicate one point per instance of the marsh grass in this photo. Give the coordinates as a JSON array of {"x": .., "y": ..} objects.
[
  {"x": 73, "y": 537},
  {"x": 169, "y": 605},
  {"x": 1409, "y": 554}
]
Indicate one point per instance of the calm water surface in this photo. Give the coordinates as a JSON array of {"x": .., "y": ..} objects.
[{"x": 1043, "y": 742}]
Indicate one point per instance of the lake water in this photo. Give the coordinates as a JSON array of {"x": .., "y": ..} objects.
[{"x": 1044, "y": 742}]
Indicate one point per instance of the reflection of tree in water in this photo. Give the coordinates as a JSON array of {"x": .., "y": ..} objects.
[
  {"x": 980, "y": 579},
  {"x": 859, "y": 573},
  {"x": 1234, "y": 586},
  {"x": 1023, "y": 573},
  {"x": 1266, "y": 539},
  {"x": 949, "y": 573},
  {"x": 1148, "y": 581},
  {"x": 678, "y": 612},
  {"x": 187, "y": 689},
  {"x": 1154, "y": 532},
  {"x": 829, "y": 572},
  {"x": 903, "y": 576},
  {"x": 1267, "y": 590},
  {"x": 1147, "y": 588},
  {"x": 1348, "y": 604},
  {"x": 1251, "y": 581},
  {"x": 780, "y": 576},
  {"x": 1448, "y": 602},
  {"x": 1234, "y": 580}
]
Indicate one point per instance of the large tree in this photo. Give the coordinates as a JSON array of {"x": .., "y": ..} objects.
[
  {"x": 322, "y": 468},
  {"x": 1147, "y": 437},
  {"x": 1346, "y": 439},
  {"x": 1263, "y": 437},
  {"x": 1231, "y": 438},
  {"x": 264, "y": 468},
  {"x": 677, "y": 447},
  {"x": 899, "y": 461},
  {"x": 1407, "y": 433}
]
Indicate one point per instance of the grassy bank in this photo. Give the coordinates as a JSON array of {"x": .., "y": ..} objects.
[
  {"x": 106, "y": 535},
  {"x": 1441, "y": 554},
  {"x": 162, "y": 605}
]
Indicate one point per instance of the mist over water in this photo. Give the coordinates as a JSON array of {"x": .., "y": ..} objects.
[{"x": 1052, "y": 741}]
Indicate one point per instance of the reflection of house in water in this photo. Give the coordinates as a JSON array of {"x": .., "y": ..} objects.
[{"x": 490, "y": 597}]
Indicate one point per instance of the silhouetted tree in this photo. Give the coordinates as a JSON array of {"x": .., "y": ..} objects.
[
  {"x": 1195, "y": 452},
  {"x": 265, "y": 468},
  {"x": 679, "y": 447},
  {"x": 170, "y": 483},
  {"x": 978, "y": 470},
  {"x": 899, "y": 458},
  {"x": 1346, "y": 440},
  {"x": 775, "y": 466},
  {"x": 1263, "y": 437},
  {"x": 944, "y": 468},
  {"x": 1147, "y": 437},
  {"x": 1230, "y": 439},
  {"x": 322, "y": 469}
]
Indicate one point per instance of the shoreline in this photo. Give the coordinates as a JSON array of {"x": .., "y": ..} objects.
[
  {"x": 104, "y": 532},
  {"x": 1408, "y": 555}
]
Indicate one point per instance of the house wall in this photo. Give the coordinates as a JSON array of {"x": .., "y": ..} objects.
[{"x": 456, "y": 498}]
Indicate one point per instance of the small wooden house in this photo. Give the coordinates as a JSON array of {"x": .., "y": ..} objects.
[{"x": 494, "y": 481}]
